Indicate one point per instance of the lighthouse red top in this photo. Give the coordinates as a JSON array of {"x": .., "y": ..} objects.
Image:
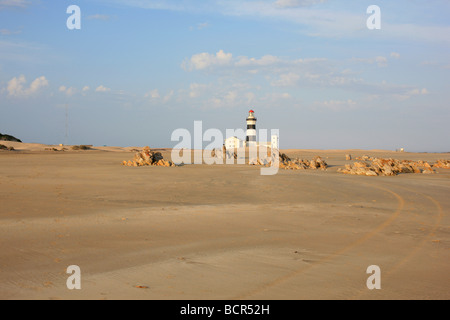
[{"x": 251, "y": 111}]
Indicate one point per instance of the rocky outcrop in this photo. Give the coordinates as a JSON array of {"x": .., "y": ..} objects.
[
  {"x": 3, "y": 147},
  {"x": 292, "y": 164},
  {"x": 387, "y": 167},
  {"x": 364, "y": 158},
  {"x": 443, "y": 164},
  {"x": 148, "y": 158}
]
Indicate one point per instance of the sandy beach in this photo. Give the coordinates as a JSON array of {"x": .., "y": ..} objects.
[{"x": 218, "y": 232}]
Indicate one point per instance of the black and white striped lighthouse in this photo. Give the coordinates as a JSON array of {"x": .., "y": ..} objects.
[{"x": 251, "y": 129}]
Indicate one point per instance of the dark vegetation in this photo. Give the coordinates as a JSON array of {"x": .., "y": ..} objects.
[{"x": 7, "y": 137}]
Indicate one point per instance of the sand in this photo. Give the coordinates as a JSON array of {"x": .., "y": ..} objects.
[{"x": 218, "y": 232}]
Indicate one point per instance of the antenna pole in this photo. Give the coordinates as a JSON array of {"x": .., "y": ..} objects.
[{"x": 67, "y": 125}]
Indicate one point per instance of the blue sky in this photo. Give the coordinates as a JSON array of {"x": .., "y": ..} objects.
[{"x": 139, "y": 69}]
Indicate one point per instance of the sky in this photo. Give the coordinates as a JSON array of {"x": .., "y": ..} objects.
[{"x": 137, "y": 70}]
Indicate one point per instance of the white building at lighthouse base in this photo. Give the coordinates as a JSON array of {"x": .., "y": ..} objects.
[{"x": 236, "y": 143}]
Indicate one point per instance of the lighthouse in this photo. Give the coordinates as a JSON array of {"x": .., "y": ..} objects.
[{"x": 251, "y": 129}]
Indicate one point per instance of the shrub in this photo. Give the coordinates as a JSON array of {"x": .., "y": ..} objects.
[
  {"x": 7, "y": 137},
  {"x": 3, "y": 147},
  {"x": 82, "y": 147}
]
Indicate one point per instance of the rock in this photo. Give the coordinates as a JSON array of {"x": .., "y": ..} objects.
[
  {"x": 147, "y": 150},
  {"x": 387, "y": 170},
  {"x": 360, "y": 165},
  {"x": 3, "y": 147},
  {"x": 348, "y": 157},
  {"x": 444, "y": 164},
  {"x": 364, "y": 158},
  {"x": 157, "y": 156},
  {"x": 387, "y": 167},
  {"x": 148, "y": 158},
  {"x": 291, "y": 164},
  {"x": 284, "y": 158}
]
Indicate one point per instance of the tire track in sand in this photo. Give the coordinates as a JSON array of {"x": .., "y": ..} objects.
[
  {"x": 356, "y": 243},
  {"x": 419, "y": 247}
]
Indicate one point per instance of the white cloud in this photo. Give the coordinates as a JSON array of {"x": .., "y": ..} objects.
[
  {"x": 68, "y": 91},
  {"x": 296, "y": 73},
  {"x": 168, "y": 97},
  {"x": 38, "y": 84},
  {"x": 416, "y": 92},
  {"x": 296, "y": 3},
  {"x": 16, "y": 86},
  {"x": 205, "y": 60},
  {"x": 201, "y": 26},
  {"x": 270, "y": 63},
  {"x": 329, "y": 21},
  {"x": 7, "y": 32},
  {"x": 228, "y": 99},
  {"x": 154, "y": 94},
  {"x": 395, "y": 55},
  {"x": 14, "y": 3},
  {"x": 405, "y": 95},
  {"x": 380, "y": 60},
  {"x": 197, "y": 89},
  {"x": 264, "y": 61},
  {"x": 102, "y": 17},
  {"x": 336, "y": 105},
  {"x": 102, "y": 88},
  {"x": 71, "y": 91},
  {"x": 231, "y": 96},
  {"x": 85, "y": 89},
  {"x": 286, "y": 80},
  {"x": 250, "y": 97},
  {"x": 156, "y": 97}
]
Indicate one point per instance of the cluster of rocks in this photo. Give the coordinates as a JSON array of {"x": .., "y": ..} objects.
[
  {"x": 444, "y": 164},
  {"x": 292, "y": 164},
  {"x": 387, "y": 167},
  {"x": 148, "y": 158},
  {"x": 363, "y": 158},
  {"x": 3, "y": 147},
  {"x": 55, "y": 149}
]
